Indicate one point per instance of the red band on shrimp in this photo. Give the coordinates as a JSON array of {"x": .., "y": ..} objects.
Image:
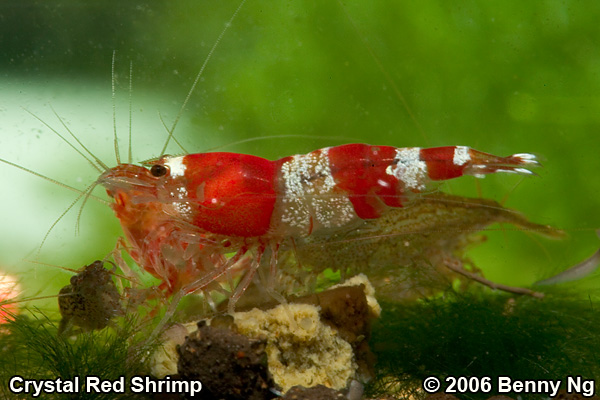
[
  {"x": 234, "y": 192},
  {"x": 442, "y": 163}
]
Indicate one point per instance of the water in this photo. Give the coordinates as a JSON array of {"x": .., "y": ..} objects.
[{"x": 503, "y": 79}]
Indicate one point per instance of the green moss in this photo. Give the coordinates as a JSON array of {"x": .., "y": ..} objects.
[
  {"x": 31, "y": 348},
  {"x": 485, "y": 335}
]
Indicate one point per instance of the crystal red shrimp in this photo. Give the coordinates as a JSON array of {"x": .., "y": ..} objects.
[{"x": 183, "y": 214}]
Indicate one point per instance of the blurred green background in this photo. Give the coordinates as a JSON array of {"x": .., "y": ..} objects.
[{"x": 502, "y": 77}]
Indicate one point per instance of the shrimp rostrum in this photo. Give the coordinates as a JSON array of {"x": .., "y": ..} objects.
[{"x": 200, "y": 221}]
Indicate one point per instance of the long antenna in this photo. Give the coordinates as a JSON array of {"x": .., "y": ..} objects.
[
  {"x": 114, "y": 107},
  {"x": 384, "y": 72},
  {"x": 69, "y": 143},
  {"x": 97, "y": 159},
  {"x": 208, "y": 57},
  {"x": 64, "y": 185},
  {"x": 162, "y": 121},
  {"x": 129, "y": 154}
]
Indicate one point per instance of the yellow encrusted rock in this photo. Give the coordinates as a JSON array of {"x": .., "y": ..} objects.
[
  {"x": 361, "y": 279},
  {"x": 301, "y": 349},
  {"x": 165, "y": 358}
]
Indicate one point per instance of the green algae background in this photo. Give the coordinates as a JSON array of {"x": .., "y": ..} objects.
[{"x": 502, "y": 77}]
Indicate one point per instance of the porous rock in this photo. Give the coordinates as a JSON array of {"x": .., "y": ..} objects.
[{"x": 229, "y": 365}]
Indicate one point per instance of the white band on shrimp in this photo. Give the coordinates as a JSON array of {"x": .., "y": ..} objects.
[
  {"x": 409, "y": 168},
  {"x": 461, "y": 155},
  {"x": 176, "y": 166}
]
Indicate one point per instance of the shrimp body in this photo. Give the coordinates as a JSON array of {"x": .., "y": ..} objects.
[{"x": 183, "y": 214}]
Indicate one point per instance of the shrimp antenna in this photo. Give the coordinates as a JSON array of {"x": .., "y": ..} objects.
[
  {"x": 256, "y": 139},
  {"x": 52, "y": 265},
  {"x": 23, "y": 300},
  {"x": 73, "y": 270},
  {"x": 81, "y": 194},
  {"x": 88, "y": 193},
  {"x": 162, "y": 120},
  {"x": 100, "y": 163},
  {"x": 191, "y": 91},
  {"x": 384, "y": 72},
  {"x": 64, "y": 185},
  {"x": 114, "y": 106},
  {"x": 129, "y": 155}
]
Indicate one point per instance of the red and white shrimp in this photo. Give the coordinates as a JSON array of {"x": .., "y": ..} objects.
[{"x": 181, "y": 215}]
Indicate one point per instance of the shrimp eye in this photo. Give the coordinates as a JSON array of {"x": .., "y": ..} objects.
[{"x": 158, "y": 170}]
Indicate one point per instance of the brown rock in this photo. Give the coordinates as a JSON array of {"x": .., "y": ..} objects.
[
  {"x": 441, "y": 396},
  {"x": 346, "y": 309},
  {"x": 563, "y": 395},
  {"x": 90, "y": 301},
  {"x": 229, "y": 365},
  {"x": 318, "y": 392}
]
